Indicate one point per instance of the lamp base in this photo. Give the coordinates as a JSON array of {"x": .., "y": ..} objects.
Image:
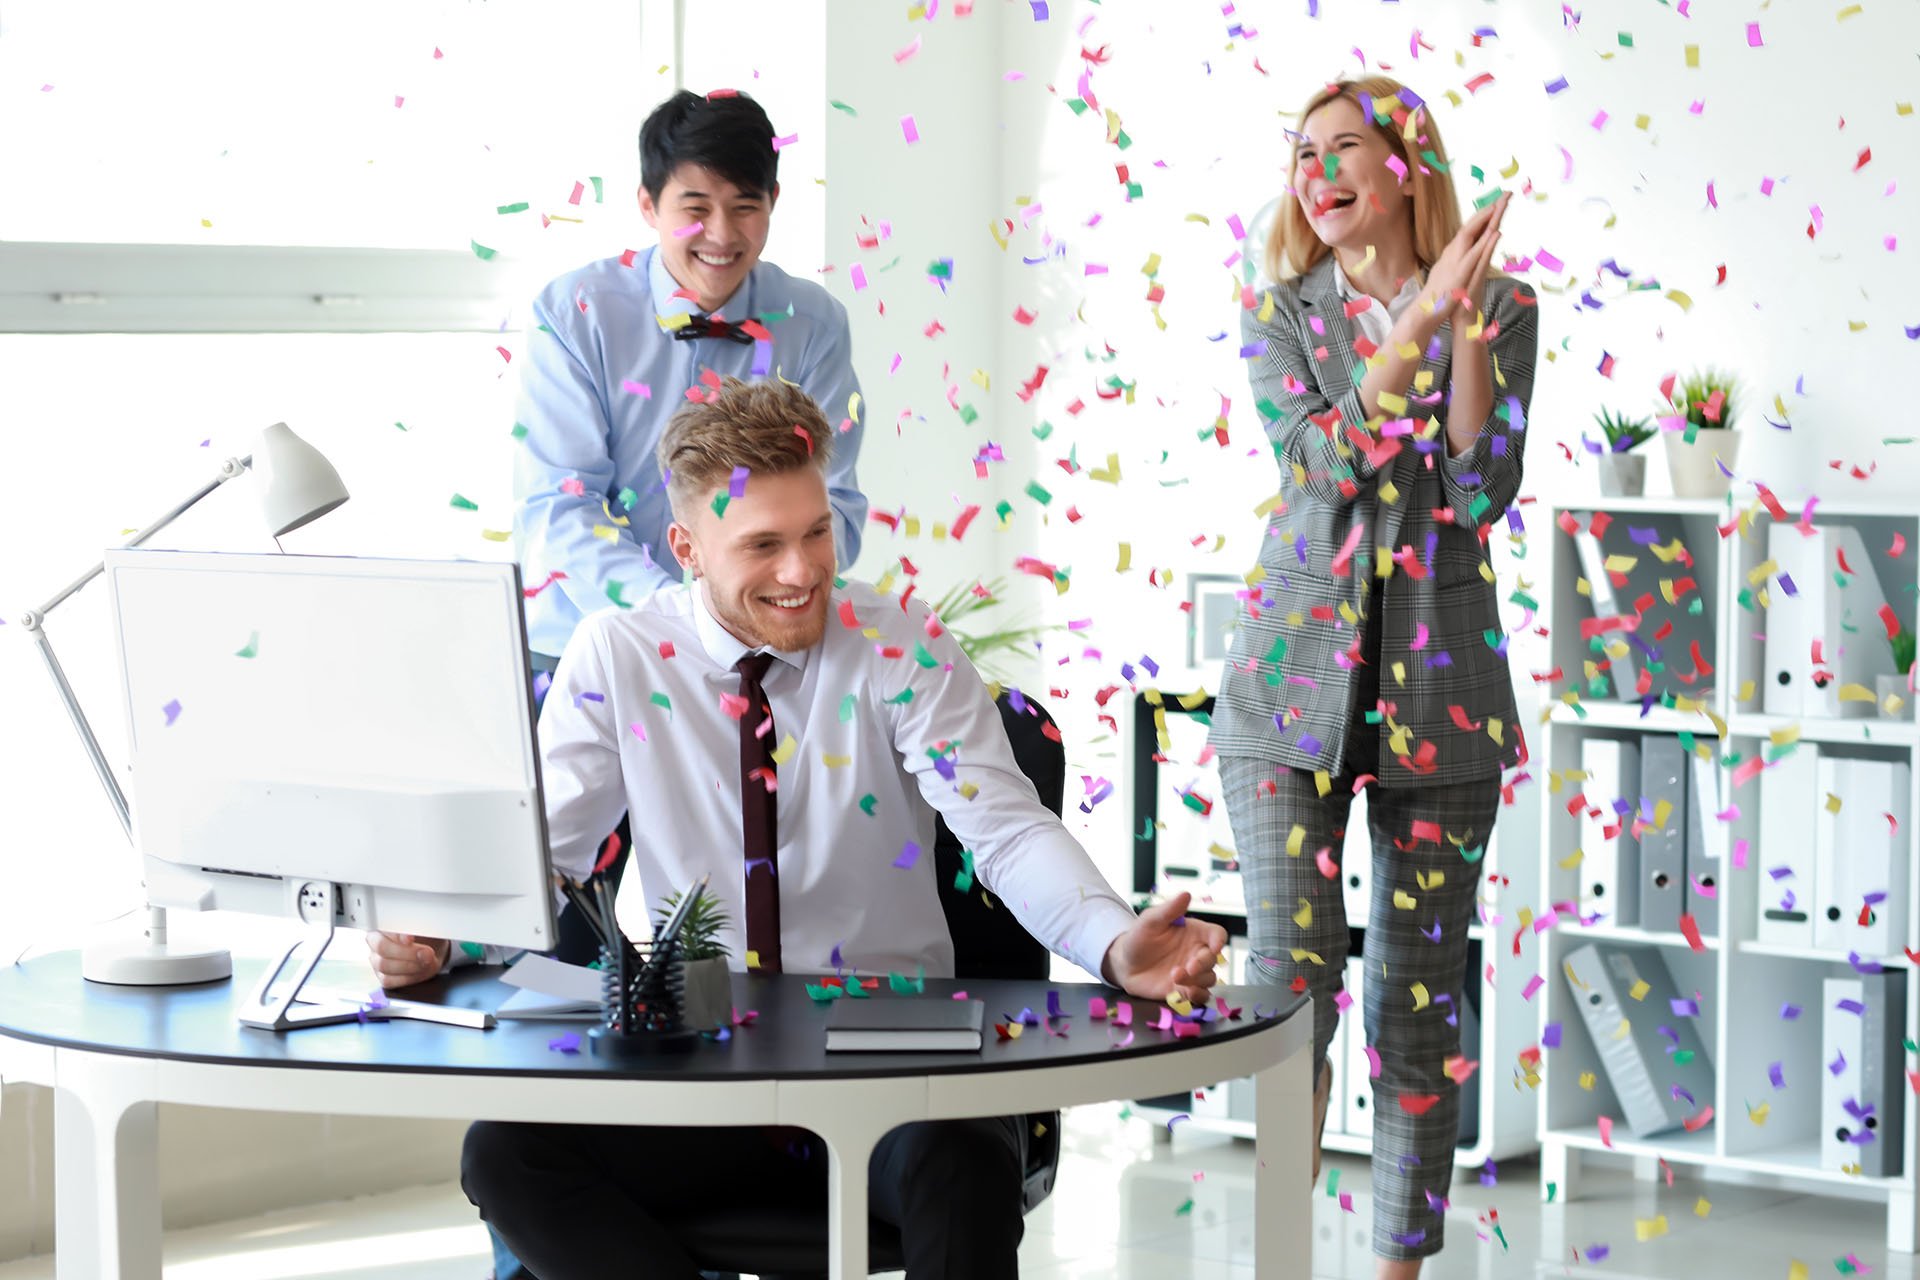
[{"x": 140, "y": 962}]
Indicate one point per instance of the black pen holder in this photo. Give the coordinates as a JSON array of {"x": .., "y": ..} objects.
[{"x": 640, "y": 993}]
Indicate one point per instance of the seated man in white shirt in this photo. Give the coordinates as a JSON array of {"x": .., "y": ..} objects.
[{"x": 878, "y": 720}]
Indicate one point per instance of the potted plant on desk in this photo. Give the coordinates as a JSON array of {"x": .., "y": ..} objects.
[
  {"x": 1623, "y": 473},
  {"x": 1703, "y": 404},
  {"x": 1893, "y": 692},
  {"x": 706, "y": 994}
]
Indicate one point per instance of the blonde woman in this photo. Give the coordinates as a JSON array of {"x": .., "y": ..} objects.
[{"x": 1393, "y": 367}]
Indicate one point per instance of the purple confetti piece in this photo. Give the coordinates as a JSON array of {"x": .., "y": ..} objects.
[
  {"x": 1153, "y": 668},
  {"x": 568, "y": 1043},
  {"x": 1788, "y": 1012},
  {"x": 1851, "y": 1006},
  {"x": 1410, "y": 1238},
  {"x": 1839, "y": 1062},
  {"x": 1053, "y": 1005},
  {"x": 578, "y": 698},
  {"x": 1598, "y": 1252},
  {"x": 1310, "y": 744},
  {"x": 762, "y": 359},
  {"x": 835, "y": 960},
  {"x": 1489, "y": 1175},
  {"x": 1684, "y": 1008},
  {"x": 1550, "y": 1036},
  {"x": 172, "y": 710},
  {"x": 1777, "y": 1074},
  {"x": 1786, "y": 584},
  {"x": 737, "y": 484},
  {"x": 542, "y": 681},
  {"x": 1861, "y": 965},
  {"x": 908, "y": 855}
]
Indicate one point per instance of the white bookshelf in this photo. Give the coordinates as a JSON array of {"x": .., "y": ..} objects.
[
  {"x": 1506, "y": 1117},
  {"x": 1742, "y": 981}
]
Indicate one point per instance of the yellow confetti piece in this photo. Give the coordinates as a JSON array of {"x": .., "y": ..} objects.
[
  {"x": 1693, "y": 55},
  {"x": 1420, "y": 997},
  {"x": 753, "y": 959},
  {"x": 1513, "y": 167},
  {"x": 1430, "y": 880},
  {"x": 607, "y": 532},
  {"x": 1296, "y": 840},
  {"x": 1322, "y": 781},
  {"x": 1265, "y": 314},
  {"x": 1702, "y": 1207},
  {"x": 1178, "y": 1003},
  {"x": 1796, "y": 1270},
  {"x": 1645, "y": 1229},
  {"x": 1833, "y": 803},
  {"x": 1573, "y": 977},
  {"x": 853, "y": 407},
  {"x": 1680, "y": 299},
  {"x": 835, "y": 762},
  {"x": 1526, "y": 919},
  {"x": 1624, "y": 1030},
  {"x": 1856, "y": 693},
  {"x": 496, "y": 535},
  {"x": 1126, "y": 558},
  {"x": 1760, "y": 1113},
  {"x": 968, "y": 790},
  {"x": 1013, "y": 1030},
  {"x": 1393, "y": 404},
  {"x": 1109, "y": 474},
  {"x": 785, "y": 751},
  {"x": 1639, "y": 990},
  {"x": 1587, "y": 1081},
  {"x": 1389, "y": 494},
  {"x": 1404, "y": 900},
  {"x": 1301, "y": 953},
  {"x": 1304, "y": 916}
]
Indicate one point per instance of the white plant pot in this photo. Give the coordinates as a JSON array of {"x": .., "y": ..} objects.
[
  {"x": 706, "y": 996},
  {"x": 1691, "y": 466},
  {"x": 1623, "y": 475}
]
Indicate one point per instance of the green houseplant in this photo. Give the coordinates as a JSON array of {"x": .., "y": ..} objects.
[
  {"x": 1892, "y": 694},
  {"x": 1623, "y": 473},
  {"x": 1704, "y": 401},
  {"x": 960, "y": 609},
  {"x": 706, "y": 994}
]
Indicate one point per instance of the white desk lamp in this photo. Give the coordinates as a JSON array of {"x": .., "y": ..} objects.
[{"x": 298, "y": 485}]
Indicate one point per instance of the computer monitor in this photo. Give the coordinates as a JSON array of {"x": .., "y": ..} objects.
[{"x": 345, "y": 740}]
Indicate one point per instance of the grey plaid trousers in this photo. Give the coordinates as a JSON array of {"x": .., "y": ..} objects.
[{"x": 1413, "y": 1139}]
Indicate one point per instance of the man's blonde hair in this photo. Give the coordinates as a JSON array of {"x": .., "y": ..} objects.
[{"x": 769, "y": 427}]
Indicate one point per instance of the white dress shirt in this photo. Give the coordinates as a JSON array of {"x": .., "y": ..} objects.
[
  {"x": 1376, "y": 322},
  {"x": 886, "y": 721}
]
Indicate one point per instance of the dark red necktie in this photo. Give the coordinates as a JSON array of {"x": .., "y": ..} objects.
[{"x": 758, "y": 810}]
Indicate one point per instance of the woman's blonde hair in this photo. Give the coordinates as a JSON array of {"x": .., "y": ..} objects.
[
  {"x": 769, "y": 427},
  {"x": 1293, "y": 248}
]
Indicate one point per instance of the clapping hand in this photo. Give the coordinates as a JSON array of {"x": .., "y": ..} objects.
[
  {"x": 1459, "y": 278},
  {"x": 1165, "y": 953}
]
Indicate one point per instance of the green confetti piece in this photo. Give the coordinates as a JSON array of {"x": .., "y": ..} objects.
[
  {"x": 627, "y": 498},
  {"x": 1332, "y": 167},
  {"x": 867, "y": 802},
  {"x": 1911, "y": 1046},
  {"x": 940, "y": 269},
  {"x": 838, "y": 105},
  {"x": 1478, "y": 506},
  {"x": 1122, "y": 141},
  {"x": 720, "y": 501},
  {"x": 1473, "y": 855},
  {"x": 1626, "y": 39},
  {"x": 905, "y": 986},
  {"x": 1003, "y": 509},
  {"x": 855, "y": 990},
  {"x": 1134, "y": 189},
  {"x": 1042, "y": 431},
  {"x": 1694, "y": 607},
  {"x": 661, "y": 700},
  {"x": 1193, "y": 802},
  {"x": 1481, "y": 202},
  {"x": 401, "y": 425},
  {"x": 1493, "y": 636},
  {"x": 1333, "y": 1184},
  {"x": 969, "y": 414},
  {"x": 1077, "y": 105},
  {"x": 599, "y": 192},
  {"x": 464, "y": 504},
  {"x": 1435, "y": 161},
  {"x": 846, "y": 709},
  {"x": 1553, "y": 1189},
  {"x": 474, "y": 950},
  {"x": 253, "y": 648},
  {"x": 613, "y": 593},
  {"x": 963, "y": 878},
  {"x": 521, "y": 207},
  {"x": 901, "y": 698},
  {"x": 921, "y": 656},
  {"x": 1038, "y": 493},
  {"x": 1681, "y": 1057},
  {"x": 1184, "y": 1209},
  {"x": 481, "y": 251},
  {"x": 823, "y": 994},
  {"x": 519, "y": 431}
]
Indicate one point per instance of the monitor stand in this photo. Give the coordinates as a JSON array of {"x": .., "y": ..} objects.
[{"x": 287, "y": 1010}]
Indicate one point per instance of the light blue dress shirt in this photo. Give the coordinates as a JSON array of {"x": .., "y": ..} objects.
[{"x": 601, "y": 380}]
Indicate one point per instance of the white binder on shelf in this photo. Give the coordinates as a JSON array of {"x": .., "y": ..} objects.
[
  {"x": 1706, "y": 844},
  {"x": 1789, "y": 799},
  {"x": 1356, "y": 1081},
  {"x": 1337, "y": 1054},
  {"x": 1859, "y": 852},
  {"x": 1663, "y": 845},
  {"x": 1853, "y": 647},
  {"x": 1609, "y": 867},
  {"x": 1862, "y": 1093},
  {"x": 1356, "y": 866},
  {"x": 1625, "y": 668}
]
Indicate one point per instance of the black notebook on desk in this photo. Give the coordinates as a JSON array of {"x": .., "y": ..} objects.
[{"x": 912, "y": 1025}]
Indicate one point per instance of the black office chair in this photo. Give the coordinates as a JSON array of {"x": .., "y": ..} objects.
[{"x": 987, "y": 943}]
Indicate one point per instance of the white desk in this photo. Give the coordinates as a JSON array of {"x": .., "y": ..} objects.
[{"x": 112, "y": 1054}]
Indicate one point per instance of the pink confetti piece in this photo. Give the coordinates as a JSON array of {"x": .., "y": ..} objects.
[
  {"x": 1097, "y": 1008},
  {"x": 785, "y": 141},
  {"x": 1753, "y": 35},
  {"x": 857, "y": 274},
  {"x": 573, "y": 487},
  {"x": 909, "y": 129},
  {"x": 640, "y": 389},
  {"x": 1549, "y": 261},
  {"x": 1606, "y": 1131},
  {"x": 1534, "y": 984},
  {"x": 1373, "y": 1062},
  {"x": 688, "y": 231},
  {"x": 1123, "y": 1017},
  {"x": 901, "y": 55},
  {"x": 579, "y": 189}
]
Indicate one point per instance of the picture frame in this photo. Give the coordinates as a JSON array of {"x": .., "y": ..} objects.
[{"x": 1214, "y": 606}]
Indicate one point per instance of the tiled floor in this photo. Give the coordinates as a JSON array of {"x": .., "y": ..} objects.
[{"x": 1133, "y": 1208}]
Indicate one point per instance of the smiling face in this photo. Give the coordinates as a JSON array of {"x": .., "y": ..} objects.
[
  {"x": 1350, "y": 197},
  {"x": 714, "y": 260},
  {"x": 768, "y": 561}
]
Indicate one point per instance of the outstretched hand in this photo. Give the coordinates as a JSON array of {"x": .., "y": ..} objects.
[
  {"x": 1165, "y": 953},
  {"x": 1459, "y": 277}
]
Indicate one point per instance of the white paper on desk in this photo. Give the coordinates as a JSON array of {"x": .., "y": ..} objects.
[{"x": 550, "y": 977}]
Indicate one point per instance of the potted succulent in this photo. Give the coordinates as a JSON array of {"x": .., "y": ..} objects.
[
  {"x": 706, "y": 996},
  {"x": 1623, "y": 473},
  {"x": 1894, "y": 693},
  {"x": 1703, "y": 403}
]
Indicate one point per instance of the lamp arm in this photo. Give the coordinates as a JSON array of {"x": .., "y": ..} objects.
[{"x": 33, "y": 621}]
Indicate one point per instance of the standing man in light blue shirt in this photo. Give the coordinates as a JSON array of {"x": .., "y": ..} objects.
[{"x": 616, "y": 346}]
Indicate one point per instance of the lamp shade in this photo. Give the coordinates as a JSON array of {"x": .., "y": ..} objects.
[{"x": 297, "y": 483}]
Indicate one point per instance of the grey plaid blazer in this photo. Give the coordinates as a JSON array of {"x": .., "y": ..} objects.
[{"x": 1395, "y": 502}]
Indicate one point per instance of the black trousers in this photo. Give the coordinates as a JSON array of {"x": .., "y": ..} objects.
[{"x": 582, "y": 1202}]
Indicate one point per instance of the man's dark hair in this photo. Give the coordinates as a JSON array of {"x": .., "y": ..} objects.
[{"x": 728, "y": 133}]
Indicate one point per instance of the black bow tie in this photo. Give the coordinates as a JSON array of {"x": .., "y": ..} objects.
[{"x": 699, "y": 326}]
